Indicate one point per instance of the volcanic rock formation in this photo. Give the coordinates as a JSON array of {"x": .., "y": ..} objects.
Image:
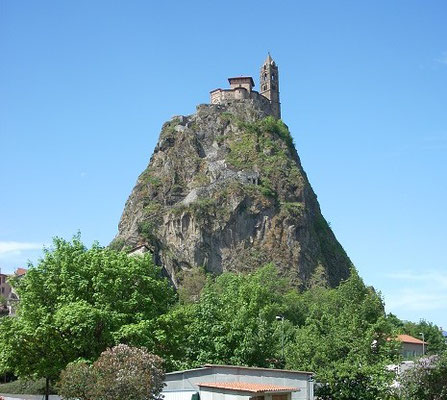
[{"x": 225, "y": 190}]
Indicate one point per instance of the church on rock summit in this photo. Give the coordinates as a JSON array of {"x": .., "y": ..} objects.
[{"x": 241, "y": 87}]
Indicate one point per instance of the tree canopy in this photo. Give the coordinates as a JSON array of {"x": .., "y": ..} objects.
[
  {"x": 75, "y": 303},
  {"x": 341, "y": 334},
  {"x": 344, "y": 339}
]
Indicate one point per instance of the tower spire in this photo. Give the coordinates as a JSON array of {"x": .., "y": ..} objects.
[{"x": 269, "y": 81}]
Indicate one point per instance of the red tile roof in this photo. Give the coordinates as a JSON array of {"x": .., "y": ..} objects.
[
  {"x": 248, "y": 387},
  {"x": 21, "y": 271},
  {"x": 409, "y": 339}
]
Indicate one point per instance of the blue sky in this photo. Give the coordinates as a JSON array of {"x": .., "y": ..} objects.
[{"x": 86, "y": 85}]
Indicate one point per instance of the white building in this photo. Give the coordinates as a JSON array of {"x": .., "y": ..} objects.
[{"x": 228, "y": 382}]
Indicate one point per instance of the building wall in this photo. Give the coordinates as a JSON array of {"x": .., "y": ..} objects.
[
  {"x": 225, "y": 96},
  {"x": 189, "y": 379},
  {"x": 245, "y": 83},
  {"x": 5, "y": 287},
  {"x": 179, "y": 395},
  {"x": 410, "y": 350},
  {"x": 219, "y": 394},
  {"x": 216, "y": 394}
]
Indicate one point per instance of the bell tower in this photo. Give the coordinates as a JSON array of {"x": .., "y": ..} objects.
[{"x": 269, "y": 80}]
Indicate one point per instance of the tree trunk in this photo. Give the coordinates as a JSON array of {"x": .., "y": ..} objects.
[{"x": 47, "y": 388}]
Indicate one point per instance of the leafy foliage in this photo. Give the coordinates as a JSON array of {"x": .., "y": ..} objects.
[
  {"x": 341, "y": 334},
  {"x": 147, "y": 229},
  {"x": 267, "y": 146},
  {"x": 77, "y": 302},
  {"x": 191, "y": 284},
  {"x": 117, "y": 244},
  {"x": 344, "y": 340},
  {"x": 76, "y": 381},
  {"x": 233, "y": 322},
  {"x": 125, "y": 372}
]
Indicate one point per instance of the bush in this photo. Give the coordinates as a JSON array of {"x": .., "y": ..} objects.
[
  {"x": 130, "y": 373},
  {"x": 122, "y": 372},
  {"x": 76, "y": 381},
  {"x": 426, "y": 380}
]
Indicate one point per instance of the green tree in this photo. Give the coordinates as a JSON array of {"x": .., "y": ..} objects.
[
  {"x": 344, "y": 340},
  {"x": 172, "y": 337},
  {"x": 192, "y": 281},
  {"x": 76, "y": 302},
  {"x": 233, "y": 321}
]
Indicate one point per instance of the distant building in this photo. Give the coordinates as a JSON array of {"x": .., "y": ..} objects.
[
  {"x": 229, "y": 382},
  {"x": 241, "y": 87},
  {"x": 138, "y": 250},
  {"x": 411, "y": 347},
  {"x": 8, "y": 292},
  {"x": 20, "y": 271},
  {"x": 5, "y": 287},
  {"x": 5, "y": 290}
]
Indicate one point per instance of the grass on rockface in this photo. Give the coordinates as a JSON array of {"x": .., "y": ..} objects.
[
  {"x": 25, "y": 387},
  {"x": 293, "y": 209},
  {"x": 257, "y": 147}
]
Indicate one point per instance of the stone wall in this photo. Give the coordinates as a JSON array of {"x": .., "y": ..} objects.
[{"x": 227, "y": 96}]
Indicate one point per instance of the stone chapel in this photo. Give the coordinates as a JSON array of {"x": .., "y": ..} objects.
[{"x": 241, "y": 87}]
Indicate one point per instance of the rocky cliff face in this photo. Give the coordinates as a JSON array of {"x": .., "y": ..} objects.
[{"x": 225, "y": 189}]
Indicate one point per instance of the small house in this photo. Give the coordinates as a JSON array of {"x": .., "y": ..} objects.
[
  {"x": 411, "y": 347},
  {"x": 229, "y": 382}
]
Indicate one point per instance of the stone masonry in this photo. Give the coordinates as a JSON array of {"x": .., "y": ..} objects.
[{"x": 242, "y": 88}]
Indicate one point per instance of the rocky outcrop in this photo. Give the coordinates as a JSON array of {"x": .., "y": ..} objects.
[{"x": 225, "y": 189}]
